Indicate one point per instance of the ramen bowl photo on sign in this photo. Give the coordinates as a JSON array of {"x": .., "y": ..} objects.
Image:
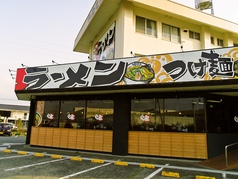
[{"x": 139, "y": 73}]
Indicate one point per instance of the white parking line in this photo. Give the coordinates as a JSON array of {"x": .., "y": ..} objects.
[
  {"x": 41, "y": 163},
  {"x": 200, "y": 170},
  {"x": 84, "y": 171},
  {"x": 16, "y": 156},
  {"x": 223, "y": 172},
  {"x": 155, "y": 172}
]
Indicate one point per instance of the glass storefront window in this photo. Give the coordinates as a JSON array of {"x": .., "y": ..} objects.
[
  {"x": 169, "y": 115},
  {"x": 50, "y": 117},
  {"x": 81, "y": 114},
  {"x": 222, "y": 115},
  {"x": 39, "y": 113},
  {"x": 184, "y": 115},
  {"x": 72, "y": 114},
  {"x": 99, "y": 114},
  {"x": 144, "y": 115}
]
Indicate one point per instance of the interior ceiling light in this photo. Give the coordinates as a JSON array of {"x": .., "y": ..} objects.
[{"x": 214, "y": 101}]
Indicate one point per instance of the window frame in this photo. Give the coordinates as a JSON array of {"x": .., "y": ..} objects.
[
  {"x": 193, "y": 35},
  {"x": 169, "y": 36},
  {"x": 76, "y": 114},
  {"x": 50, "y": 113},
  {"x": 212, "y": 41},
  {"x": 220, "y": 42},
  {"x": 143, "y": 28},
  {"x": 99, "y": 114},
  {"x": 168, "y": 115},
  {"x": 72, "y": 112}
]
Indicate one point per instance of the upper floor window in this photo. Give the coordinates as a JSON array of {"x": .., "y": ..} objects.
[
  {"x": 146, "y": 26},
  {"x": 194, "y": 35},
  {"x": 170, "y": 33},
  {"x": 212, "y": 41},
  {"x": 219, "y": 42},
  {"x": 25, "y": 116}
]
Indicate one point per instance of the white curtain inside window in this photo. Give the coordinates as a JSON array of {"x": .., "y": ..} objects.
[
  {"x": 175, "y": 35},
  {"x": 151, "y": 28},
  {"x": 166, "y": 32},
  {"x": 140, "y": 24}
]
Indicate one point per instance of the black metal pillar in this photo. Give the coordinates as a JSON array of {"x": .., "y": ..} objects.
[
  {"x": 31, "y": 119},
  {"x": 121, "y": 121}
]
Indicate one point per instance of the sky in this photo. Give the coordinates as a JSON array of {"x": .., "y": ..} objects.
[{"x": 35, "y": 32}]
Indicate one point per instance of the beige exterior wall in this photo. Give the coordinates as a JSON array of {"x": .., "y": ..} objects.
[
  {"x": 20, "y": 115},
  {"x": 127, "y": 39},
  {"x": 15, "y": 115}
]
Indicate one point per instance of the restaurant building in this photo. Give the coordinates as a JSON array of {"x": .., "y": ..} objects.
[
  {"x": 12, "y": 113},
  {"x": 161, "y": 81}
]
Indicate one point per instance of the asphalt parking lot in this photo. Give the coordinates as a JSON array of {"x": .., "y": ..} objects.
[{"x": 23, "y": 161}]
